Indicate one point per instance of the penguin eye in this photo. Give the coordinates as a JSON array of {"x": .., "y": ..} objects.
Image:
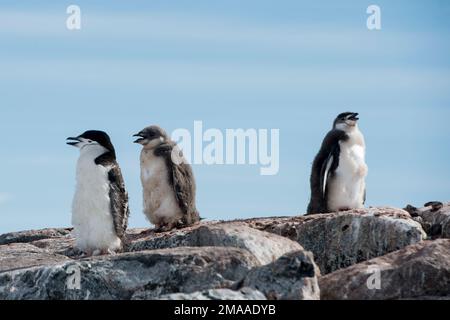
[{"x": 90, "y": 141}]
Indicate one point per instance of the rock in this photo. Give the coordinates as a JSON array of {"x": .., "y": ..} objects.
[
  {"x": 216, "y": 294},
  {"x": 339, "y": 240},
  {"x": 153, "y": 273},
  {"x": 63, "y": 246},
  {"x": 429, "y": 298},
  {"x": 33, "y": 235},
  {"x": 247, "y": 259},
  {"x": 291, "y": 277},
  {"x": 435, "y": 205},
  {"x": 266, "y": 247},
  {"x": 436, "y": 219},
  {"x": 413, "y": 211},
  {"x": 22, "y": 255},
  {"x": 417, "y": 271}
]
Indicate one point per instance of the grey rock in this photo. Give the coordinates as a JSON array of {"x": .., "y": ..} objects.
[
  {"x": 417, "y": 271},
  {"x": 247, "y": 259},
  {"x": 22, "y": 255},
  {"x": 339, "y": 240},
  {"x": 215, "y": 294},
  {"x": 63, "y": 246},
  {"x": 266, "y": 247},
  {"x": 436, "y": 220},
  {"x": 291, "y": 277},
  {"x": 33, "y": 235},
  {"x": 156, "y": 273},
  {"x": 429, "y": 298}
]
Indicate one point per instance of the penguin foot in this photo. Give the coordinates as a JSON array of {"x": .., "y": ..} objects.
[
  {"x": 86, "y": 254},
  {"x": 168, "y": 227},
  {"x": 162, "y": 228},
  {"x": 159, "y": 229}
]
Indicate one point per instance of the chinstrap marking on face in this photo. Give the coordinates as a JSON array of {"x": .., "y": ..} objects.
[
  {"x": 346, "y": 121},
  {"x": 90, "y": 138}
]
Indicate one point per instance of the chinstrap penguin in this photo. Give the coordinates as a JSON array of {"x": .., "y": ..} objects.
[
  {"x": 167, "y": 180},
  {"x": 339, "y": 169},
  {"x": 100, "y": 204}
]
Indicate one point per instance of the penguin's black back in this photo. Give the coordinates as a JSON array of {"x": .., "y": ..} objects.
[
  {"x": 330, "y": 148},
  {"x": 117, "y": 193}
]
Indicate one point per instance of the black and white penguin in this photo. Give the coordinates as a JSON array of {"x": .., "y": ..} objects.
[
  {"x": 339, "y": 169},
  {"x": 100, "y": 205},
  {"x": 167, "y": 180}
]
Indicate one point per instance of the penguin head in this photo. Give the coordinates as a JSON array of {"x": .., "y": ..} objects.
[
  {"x": 151, "y": 136},
  {"x": 346, "y": 121},
  {"x": 92, "y": 139}
]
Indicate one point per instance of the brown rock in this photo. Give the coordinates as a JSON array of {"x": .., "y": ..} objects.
[{"x": 22, "y": 255}]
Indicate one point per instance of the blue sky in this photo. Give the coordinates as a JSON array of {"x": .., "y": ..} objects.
[{"x": 289, "y": 65}]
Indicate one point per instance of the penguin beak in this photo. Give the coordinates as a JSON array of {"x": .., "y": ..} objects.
[
  {"x": 141, "y": 138},
  {"x": 73, "y": 141},
  {"x": 354, "y": 117}
]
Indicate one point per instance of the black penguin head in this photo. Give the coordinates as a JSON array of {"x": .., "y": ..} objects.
[
  {"x": 152, "y": 135},
  {"x": 92, "y": 138},
  {"x": 345, "y": 121}
]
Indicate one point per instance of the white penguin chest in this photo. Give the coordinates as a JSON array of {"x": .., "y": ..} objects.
[
  {"x": 351, "y": 160},
  {"x": 91, "y": 213},
  {"x": 347, "y": 187}
]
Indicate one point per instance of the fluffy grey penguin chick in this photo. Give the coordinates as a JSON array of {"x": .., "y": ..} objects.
[{"x": 167, "y": 180}]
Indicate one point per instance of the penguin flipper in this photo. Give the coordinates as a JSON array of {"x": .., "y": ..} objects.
[
  {"x": 119, "y": 201},
  {"x": 328, "y": 167},
  {"x": 182, "y": 180},
  {"x": 117, "y": 193},
  {"x": 324, "y": 165},
  {"x": 325, "y": 172}
]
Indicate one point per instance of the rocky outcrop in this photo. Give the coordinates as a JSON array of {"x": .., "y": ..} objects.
[
  {"x": 292, "y": 277},
  {"x": 23, "y": 255},
  {"x": 339, "y": 240},
  {"x": 417, "y": 271},
  {"x": 33, "y": 235},
  {"x": 305, "y": 257},
  {"x": 215, "y": 294},
  {"x": 156, "y": 272},
  {"x": 266, "y": 247},
  {"x": 207, "y": 260},
  {"x": 434, "y": 218}
]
